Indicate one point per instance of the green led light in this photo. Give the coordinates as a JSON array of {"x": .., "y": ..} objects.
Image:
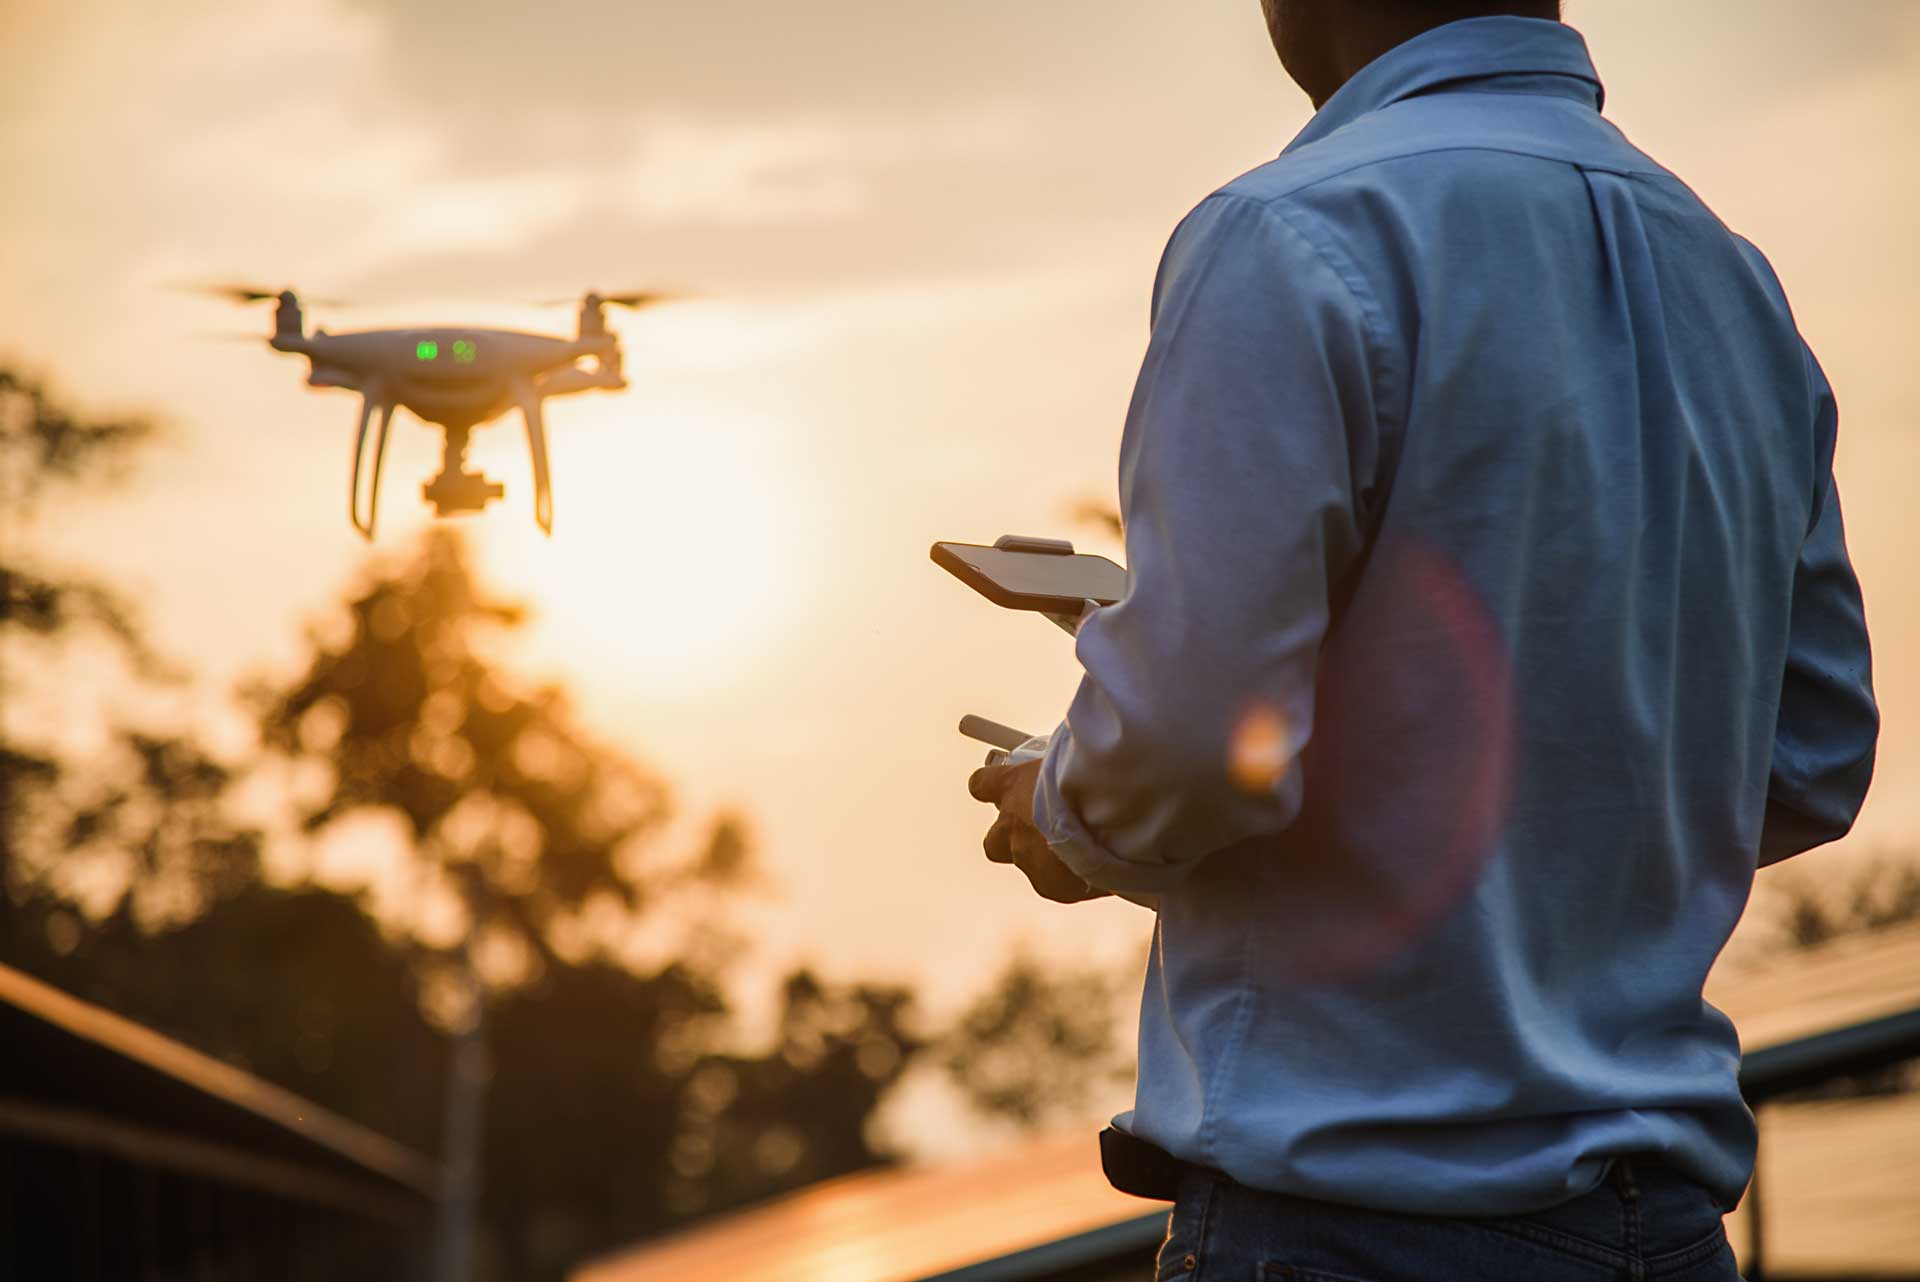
[
  {"x": 463, "y": 351},
  {"x": 428, "y": 350}
]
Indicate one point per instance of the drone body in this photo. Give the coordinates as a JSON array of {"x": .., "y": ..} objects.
[{"x": 457, "y": 378}]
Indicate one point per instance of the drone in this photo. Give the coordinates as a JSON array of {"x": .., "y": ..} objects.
[{"x": 457, "y": 378}]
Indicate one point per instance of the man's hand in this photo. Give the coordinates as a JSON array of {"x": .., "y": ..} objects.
[{"x": 1014, "y": 840}]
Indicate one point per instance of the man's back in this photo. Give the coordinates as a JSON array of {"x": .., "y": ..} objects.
[{"x": 1548, "y": 433}]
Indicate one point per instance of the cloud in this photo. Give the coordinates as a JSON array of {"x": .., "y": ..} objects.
[
  {"x": 504, "y": 150},
  {"x": 1708, "y": 64},
  {"x": 690, "y": 169},
  {"x": 491, "y": 60}
]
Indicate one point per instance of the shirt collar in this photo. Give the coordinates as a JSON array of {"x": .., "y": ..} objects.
[{"x": 1472, "y": 49}]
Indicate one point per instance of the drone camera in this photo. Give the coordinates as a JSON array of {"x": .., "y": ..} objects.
[{"x": 452, "y": 493}]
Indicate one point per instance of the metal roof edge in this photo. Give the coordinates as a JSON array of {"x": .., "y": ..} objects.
[
  {"x": 1138, "y": 1234},
  {"x": 364, "y": 1147},
  {"x": 1857, "y": 1048}
]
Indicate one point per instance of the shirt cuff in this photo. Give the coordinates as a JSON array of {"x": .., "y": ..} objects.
[{"x": 1089, "y": 858}]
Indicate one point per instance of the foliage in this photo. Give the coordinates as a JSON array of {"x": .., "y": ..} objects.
[
  {"x": 602, "y": 1098},
  {"x": 45, "y": 446},
  {"x": 42, "y": 442},
  {"x": 1882, "y": 892},
  {"x": 33, "y": 604},
  {"x": 500, "y": 790},
  {"x": 298, "y": 985},
  {"x": 758, "y": 1124},
  {"x": 1040, "y": 1046},
  {"x": 622, "y": 1100}
]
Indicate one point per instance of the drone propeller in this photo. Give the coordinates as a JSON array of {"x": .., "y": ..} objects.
[
  {"x": 246, "y": 294},
  {"x": 230, "y": 293},
  {"x": 634, "y": 300},
  {"x": 639, "y": 299}
]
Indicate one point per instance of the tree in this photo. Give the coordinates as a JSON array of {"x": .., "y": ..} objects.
[
  {"x": 623, "y": 1099},
  {"x": 1807, "y": 913},
  {"x": 177, "y": 839},
  {"x": 615, "y": 1106},
  {"x": 758, "y": 1124},
  {"x": 1041, "y": 1046},
  {"x": 501, "y": 789},
  {"x": 175, "y": 925},
  {"x": 295, "y": 984},
  {"x": 46, "y": 447}
]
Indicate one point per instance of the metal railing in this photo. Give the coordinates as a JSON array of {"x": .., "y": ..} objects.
[{"x": 1767, "y": 1075}]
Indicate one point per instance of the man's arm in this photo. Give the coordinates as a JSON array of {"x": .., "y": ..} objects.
[
  {"x": 1252, "y": 433},
  {"x": 1824, "y": 744}
]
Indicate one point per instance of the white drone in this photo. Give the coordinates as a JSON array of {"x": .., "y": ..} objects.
[{"x": 457, "y": 378}]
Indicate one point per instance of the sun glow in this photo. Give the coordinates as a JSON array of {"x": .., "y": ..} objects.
[{"x": 671, "y": 566}]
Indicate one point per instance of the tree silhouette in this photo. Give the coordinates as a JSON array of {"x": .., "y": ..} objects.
[
  {"x": 756, "y": 1125},
  {"x": 47, "y": 449},
  {"x": 604, "y": 1120},
  {"x": 623, "y": 1099},
  {"x": 496, "y": 784},
  {"x": 296, "y": 984},
  {"x": 1807, "y": 911},
  {"x": 1040, "y": 1047}
]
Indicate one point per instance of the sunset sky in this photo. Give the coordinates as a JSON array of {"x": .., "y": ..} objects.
[{"x": 919, "y": 240}]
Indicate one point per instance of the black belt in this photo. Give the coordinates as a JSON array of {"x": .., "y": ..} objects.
[
  {"x": 1142, "y": 1169},
  {"x": 1134, "y": 1166}
]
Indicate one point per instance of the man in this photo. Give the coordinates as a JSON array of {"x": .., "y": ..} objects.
[{"x": 1490, "y": 622}]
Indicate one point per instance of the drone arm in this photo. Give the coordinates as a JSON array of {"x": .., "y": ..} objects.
[
  {"x": 531, "y": 411},
  {"x": 371, "y": 404},
  {"x": 606, "y": 375}
]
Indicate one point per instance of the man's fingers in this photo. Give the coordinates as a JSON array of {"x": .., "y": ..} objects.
[
  {"x": 1029, "y": 845},
  {"x": 1014, "y": 840},
  {"x": 1011, "y": 840},
  {"x": 988, "y": 782},
  {"x": 1049, "y": 878},
  {"x": 999, "y": 840},
  {"x": 1053, "y": 881}
]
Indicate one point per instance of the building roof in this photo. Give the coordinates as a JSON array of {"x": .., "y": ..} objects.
[
  {"x": 1042, "y": 1208},
  {"x": 1846, "y": 981},
  {"x": 78, "y": 1074},
  {"x": 904, "y": 1223},
  {"x": 1840, "y": 1180}
]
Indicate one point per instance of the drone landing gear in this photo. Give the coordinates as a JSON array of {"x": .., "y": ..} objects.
[
  {"x": 457, "y": 490},
  {"x": 530, "y": 410},
  {"x": 370, "y": 407}
]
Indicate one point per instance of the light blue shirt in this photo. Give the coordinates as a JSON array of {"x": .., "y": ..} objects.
[{"x": 1490, "y": 620}]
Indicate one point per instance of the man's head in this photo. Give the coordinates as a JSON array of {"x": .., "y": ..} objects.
[{"x": 1322, "y": 43}]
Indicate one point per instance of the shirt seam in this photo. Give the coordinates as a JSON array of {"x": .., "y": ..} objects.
[
  {"x": 1273, "y": 199},
  {"x": 1236, "y": 1034},
  {"x": 1373, "y": 321},
  {"x": 1452, "y": 88},
  {"x": 1099, "y": 842},
  {"x": 1200, "y": 272}
]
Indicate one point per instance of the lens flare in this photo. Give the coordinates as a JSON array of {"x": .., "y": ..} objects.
[
  {"x": 1261, "y": 750},
  {"x": 1407, "y": 790}
]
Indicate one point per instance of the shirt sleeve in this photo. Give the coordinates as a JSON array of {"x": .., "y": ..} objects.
[
  {"x": 1823, "y": 746},
  {"x": 1253, "y": 428}
]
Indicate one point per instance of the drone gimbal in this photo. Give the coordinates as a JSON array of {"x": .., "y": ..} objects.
[{"x": 456, "y": 490}]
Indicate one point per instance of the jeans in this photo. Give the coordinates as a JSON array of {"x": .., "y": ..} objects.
[{"x": 1645, "y": 1223}]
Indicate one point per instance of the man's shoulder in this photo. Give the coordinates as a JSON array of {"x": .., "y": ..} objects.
[{"x": 1446, "y": 138}]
